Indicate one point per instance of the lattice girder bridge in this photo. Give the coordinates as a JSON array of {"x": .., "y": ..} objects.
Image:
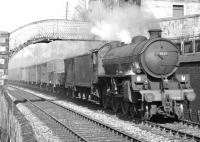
[{"x": 48, "y": 30}]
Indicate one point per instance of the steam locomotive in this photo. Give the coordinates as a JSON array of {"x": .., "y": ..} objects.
[{"x": 137, "y": 79}]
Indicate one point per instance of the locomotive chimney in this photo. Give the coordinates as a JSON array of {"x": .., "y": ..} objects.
[
  {"x": 155, "y": 33},
  {"x": 138, "y": 39}
]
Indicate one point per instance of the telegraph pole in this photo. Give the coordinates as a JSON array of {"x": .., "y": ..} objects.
[{"x": 66, "y": 10}]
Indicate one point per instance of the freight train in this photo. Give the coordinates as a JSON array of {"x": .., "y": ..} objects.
[{"x": 137, "y": 79}]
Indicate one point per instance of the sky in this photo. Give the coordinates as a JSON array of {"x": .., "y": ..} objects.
[{"x": 16, "y": 13}]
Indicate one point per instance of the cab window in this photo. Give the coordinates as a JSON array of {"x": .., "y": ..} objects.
[
  {"x": 179, "y": 47},
  {"x": 188, "y": 47},
  {"x": 197, "y": 46}
]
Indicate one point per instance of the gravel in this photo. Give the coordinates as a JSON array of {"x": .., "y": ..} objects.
[
  {"x": 183, "y": 128},
  {"x": 122, "y": 125},
  {"x": 42, "y": 132}
]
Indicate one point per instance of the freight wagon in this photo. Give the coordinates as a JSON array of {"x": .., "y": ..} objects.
[
  {"x": 55, "y": 75},
  {"x": 44, "y": 76},
  {"x": 15, "y": 74},
  {"x": 80, "y": 75},
  {"x": 50, "y": 75},
  {"x": 47, "y": 76}
]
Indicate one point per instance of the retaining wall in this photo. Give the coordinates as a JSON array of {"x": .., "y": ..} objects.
[{"x": 14, "y": 126}]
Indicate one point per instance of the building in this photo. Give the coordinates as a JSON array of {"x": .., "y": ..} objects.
[
  {"x": 171, "y": 8},
  {"x": 4, "y": 51},
  {"x": 161, "y": 8},
  {"x": 177, "y": 18}
]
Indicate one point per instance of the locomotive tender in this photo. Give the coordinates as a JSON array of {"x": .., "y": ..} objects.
[{"x": 137, "y": 78}]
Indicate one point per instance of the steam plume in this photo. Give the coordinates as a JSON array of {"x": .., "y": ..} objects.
[{"x": 121, "y": 23}]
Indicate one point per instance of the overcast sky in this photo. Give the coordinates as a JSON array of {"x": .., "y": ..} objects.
[{"x": 16, "y": 13}]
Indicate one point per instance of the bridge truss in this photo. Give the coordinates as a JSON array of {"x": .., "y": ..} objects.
[{"x": 45, "y": 31}]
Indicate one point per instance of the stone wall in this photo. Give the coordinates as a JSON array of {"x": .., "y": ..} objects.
[
  {"x": 164, "y": 8},
  {"x": 179, "y": 27},
  {"x": 14, "y": 126}
]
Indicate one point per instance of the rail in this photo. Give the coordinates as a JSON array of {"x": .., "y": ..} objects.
[
  {"x": 173, "y": 131},
  {"x": 108, "y": 129}
]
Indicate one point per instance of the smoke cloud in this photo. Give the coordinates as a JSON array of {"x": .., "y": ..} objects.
[{"x": 120, "y": 23}]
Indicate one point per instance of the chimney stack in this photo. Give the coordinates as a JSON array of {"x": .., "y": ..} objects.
[{"x": 155, "y": 33}]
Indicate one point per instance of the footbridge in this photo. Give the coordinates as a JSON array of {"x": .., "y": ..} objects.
[{"x": 45, "y": 31}]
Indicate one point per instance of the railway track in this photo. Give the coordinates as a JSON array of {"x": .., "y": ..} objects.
[
  {"x": 192, "y": 128},
  {"x": 78, "y": 127},
  {"x": 178, "y": 129},
  {"x": 190, "y": 123}
]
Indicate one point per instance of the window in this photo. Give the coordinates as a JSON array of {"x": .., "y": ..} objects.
[
  {"x": 2, "y": 48},
  {"x": 2, "y": 39},
  {"x": 178, "y": 10},
  {"x": 197, "y": 45},
  {"x": 179, "y": 47},
  {"x": 188, "y": 47}
]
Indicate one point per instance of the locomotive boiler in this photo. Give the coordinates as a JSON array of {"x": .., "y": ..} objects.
[{"x": 140, "y": 79}]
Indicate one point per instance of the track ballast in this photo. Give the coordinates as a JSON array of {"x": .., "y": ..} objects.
[{"x": 77, "y": 126}]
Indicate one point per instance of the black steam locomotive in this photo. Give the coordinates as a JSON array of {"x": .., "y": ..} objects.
[{"x": 138, "y": 79}]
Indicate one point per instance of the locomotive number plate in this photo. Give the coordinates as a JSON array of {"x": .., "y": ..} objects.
[{"x": 163, "y": 53}]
